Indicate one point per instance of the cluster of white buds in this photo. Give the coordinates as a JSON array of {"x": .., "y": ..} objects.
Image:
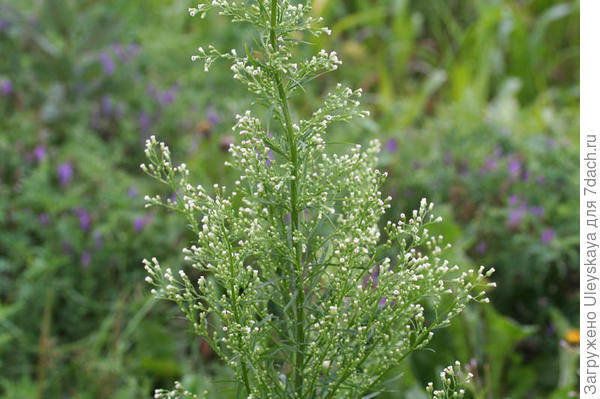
[
  {"x": 178, "y": 393},
  {"x": 454, "y": 383}
]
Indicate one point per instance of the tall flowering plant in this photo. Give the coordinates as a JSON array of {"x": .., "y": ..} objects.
[{"x": 292, "y": 282}]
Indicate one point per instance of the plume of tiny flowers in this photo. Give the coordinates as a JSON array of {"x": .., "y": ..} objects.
[
  {"x": 178, "y": 393},
  {"x": 296, "y": 287},
  {"x": 454, "y": 383}
]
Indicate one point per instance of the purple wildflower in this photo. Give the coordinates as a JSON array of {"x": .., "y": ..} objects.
[
  {"x": 125, "y": 54},
  {"x": 166, "y": 97},
  {"x": 515, "y": 217},
  {"x": 391, "y": 145},
  {"x": 375, "y": 277},
  {"x": 65, "y": 173},
  {"x": 490, "y": 164},
  {"x": 365, "y": 281},
  {"x": 541, "y": 179},
  {"x": 537, "y": 210},
  {"x": 472, "y": 365},
  {"x": 86, "y": 258},
  {"x": 106, "y": 105},
  {"x": 212, "y": 116},
  {"x": 84, "y": 219},
  {"x": 513, "y": 200},
  {"x": 140, "y": 223},
  {"x": 514, "y": 168},
  {"x": 107, "y": 63},
  {"x": 526, "y": 174},
  {"x": 382, "y": 301},
  {"x": 6, "y": 87},
  {"x": 269, "y": 158},
  {"x": 4, "y": 25},
  {"x": 548, "y": 236},
  {"x": 563, "y": 343},
  {"x": 120, "y": 51},
  {"x": 39, "y": 153},
  {"x": 43, "y": 218},
  {"x": 132, "y": 192},
  {"x": 481, "y": 248}
]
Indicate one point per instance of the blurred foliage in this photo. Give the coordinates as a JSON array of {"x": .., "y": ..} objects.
[{"x": 478, "y": 105}]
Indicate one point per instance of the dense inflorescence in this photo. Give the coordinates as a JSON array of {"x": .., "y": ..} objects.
[
  {"x": 295, "y": 285},
  {"x": 453, "y": 379}
]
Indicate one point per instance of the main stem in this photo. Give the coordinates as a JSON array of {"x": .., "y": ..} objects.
[{"x": 299, "y": 287}]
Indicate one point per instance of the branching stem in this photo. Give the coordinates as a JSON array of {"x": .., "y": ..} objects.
[{"x": 291, "y": 141}]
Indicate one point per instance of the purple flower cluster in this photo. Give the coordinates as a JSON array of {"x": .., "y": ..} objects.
[
  {"x": 108, "y": 64},
  {"x": 86, "y": 258},
  {"x": 373, "y": 277},
  {"x": 39, "y": 153},
  {"x": 391, "y": 145},
  {"x": 548, "y": 235},
  {"x": 516, "y": 216},
  {"x": 105, "y": 115},
  {"x": 122, "y": 53},
  {"x": 163, "y": 98},
  {"x": 126, "y": 53},
  {"x": 85, "y": 220},
  {"x": 481, "y": 248},
  {"x": 269, "y": 158},
  {"x": 141, "y": 222},
  {"x": 514, "y": 168},
  {"x": 65, "y": 173},
  {"x": 491, "y": 162},
  {"x": 212, "y": 116},
  {"x": 4, "y": 25},
  {"x": 537, "y": 210},
  {"x": 43, "y": 218},
  {"x": 6, "y": 87}
]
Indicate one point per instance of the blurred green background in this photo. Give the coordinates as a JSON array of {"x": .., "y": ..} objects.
[{"x": 476, "y": 102}]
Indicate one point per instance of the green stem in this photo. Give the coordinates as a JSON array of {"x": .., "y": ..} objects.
[
  {"x": 235, "y": 308},
  {"x": 299, "y": 303}
]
